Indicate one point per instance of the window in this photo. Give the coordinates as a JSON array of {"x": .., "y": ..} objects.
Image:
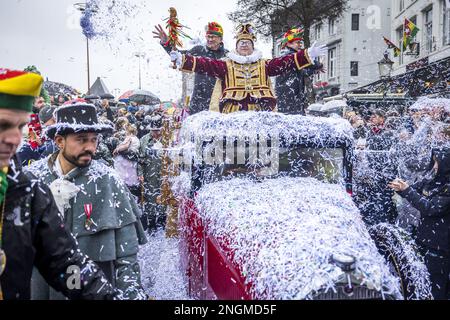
[
  {"x": 401, "y": 5},
  {"x": 446, "y": 25},
  {"x": 332, "y": 26},
  {"x": 332, "y": 63},
  {"x": 428, "y": 23},
  {"x": 318, "y": 30},
  {"x": 354, "y": 68},
  {"x": 355, "y": 21}
]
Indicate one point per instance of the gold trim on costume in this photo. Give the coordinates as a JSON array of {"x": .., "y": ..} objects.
[
  {"x": 308, "y": 58},
  {"x": 183, "y": 64},
  {"x": 194, "y": 64},
  {"x": 215, "y": 97},
  {"x": 297, "y": 63}
]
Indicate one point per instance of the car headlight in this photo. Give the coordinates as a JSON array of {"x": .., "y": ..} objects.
[{"x": 344, "y": 261}]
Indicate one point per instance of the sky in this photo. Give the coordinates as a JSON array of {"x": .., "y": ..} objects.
[{"x": 47, "y": 33}]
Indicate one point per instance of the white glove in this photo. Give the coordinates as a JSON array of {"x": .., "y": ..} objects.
[
  {"x": 176, "y": 56},
  {"x": 316, "y": 51}
]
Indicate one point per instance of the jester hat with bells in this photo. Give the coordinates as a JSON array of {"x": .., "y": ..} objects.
[{"x": 295, "y": 34}]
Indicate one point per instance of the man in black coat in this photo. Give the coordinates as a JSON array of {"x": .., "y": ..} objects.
[
  {"x": 26, "y": 155},
  {"x": 431, "y": 197},
  {"x": 203, "y": 84},
  {"x": 378, "y": 137},
  {"x": 32, "y": 232},
  {"x": 290, "y": 87}
]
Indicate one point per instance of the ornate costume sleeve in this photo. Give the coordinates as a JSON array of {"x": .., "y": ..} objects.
[
  {"x": 281, "y": 65},
  {"x": 212, "y": 67}
]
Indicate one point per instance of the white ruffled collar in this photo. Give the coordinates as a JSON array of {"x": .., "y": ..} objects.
[{"x": 255, "y": 56}]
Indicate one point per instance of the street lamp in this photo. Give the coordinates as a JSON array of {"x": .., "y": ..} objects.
[
  {"x": 139, "y": 55},
  {"x": 385, "y": 67},
  {"x": 82, "y": 6}
]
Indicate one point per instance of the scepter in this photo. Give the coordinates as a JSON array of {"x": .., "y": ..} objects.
[{"x": 175, "y": 31}]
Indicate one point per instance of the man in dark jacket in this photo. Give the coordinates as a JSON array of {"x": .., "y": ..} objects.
[
  {"x": 27, "y": 155},
  {"x": 431, "y": 197},
  {"x": 203, "y": 84},
  {"x": 31, "y": 228},
  {"x": 290, "y": 87},
  {"x": 150, "y": 171},
  {"x": 378, "y": 137}
]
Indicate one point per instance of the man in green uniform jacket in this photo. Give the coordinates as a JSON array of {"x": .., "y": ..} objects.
[{"x": 97, "y": 206}]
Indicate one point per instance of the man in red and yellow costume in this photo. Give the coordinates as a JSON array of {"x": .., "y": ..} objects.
[{"x": 244, "y": 74}]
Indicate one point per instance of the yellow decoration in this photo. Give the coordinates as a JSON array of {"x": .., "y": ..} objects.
[{"x": 28, "y": 84}]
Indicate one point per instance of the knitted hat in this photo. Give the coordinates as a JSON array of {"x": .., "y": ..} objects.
[
  {"x": 77, "y": 118},
  {"x": 215, "y": 29},
  {"x": 245, "y": 31},
  {"x": 292, "y": 35},
  {"x": 18, "y": 89}
]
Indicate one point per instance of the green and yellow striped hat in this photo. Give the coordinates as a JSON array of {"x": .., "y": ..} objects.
[{"x": 18, "y": 89}]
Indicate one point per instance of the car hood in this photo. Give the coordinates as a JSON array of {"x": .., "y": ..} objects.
[{"x": 283, "y": 231}]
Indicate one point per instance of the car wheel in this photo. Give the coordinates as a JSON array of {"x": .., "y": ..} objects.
[{"x": 403, "y": 260}]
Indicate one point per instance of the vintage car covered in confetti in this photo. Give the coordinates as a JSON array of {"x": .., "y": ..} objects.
[{"x": 266, "y": 212}]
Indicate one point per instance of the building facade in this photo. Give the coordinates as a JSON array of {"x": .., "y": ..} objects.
[
  {"x": 423, "y": 67},
  {"x": 355, "y": 45},
  {"x": 432, "y": 41}
]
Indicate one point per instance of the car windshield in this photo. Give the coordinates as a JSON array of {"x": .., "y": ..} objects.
[{"x": 324, "y": 164}]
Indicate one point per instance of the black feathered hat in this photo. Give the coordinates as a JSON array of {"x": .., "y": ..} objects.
[{"x": 76, "y": 118}]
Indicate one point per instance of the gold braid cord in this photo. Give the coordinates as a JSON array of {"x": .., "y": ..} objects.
[{"x": 169, "y": 169}]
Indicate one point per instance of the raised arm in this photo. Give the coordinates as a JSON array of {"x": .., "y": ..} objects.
[
  {"x": 160, "y": 34},
  {"x": 212, "y": 67},
  {"x": 297, "y": 61},
  {"x": 437, "y": 206},
  {"x": 281, "y": 65},
  {"x": 124, "y": 146}
]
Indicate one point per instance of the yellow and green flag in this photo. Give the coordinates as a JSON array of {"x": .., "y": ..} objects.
[{"x": 409, "y": 32}]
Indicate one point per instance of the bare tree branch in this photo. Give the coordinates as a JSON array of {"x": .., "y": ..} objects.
[{"x": 273, "y": 17}]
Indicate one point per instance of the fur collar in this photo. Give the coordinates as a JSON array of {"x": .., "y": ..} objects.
[{"x": 255, "y": 56}]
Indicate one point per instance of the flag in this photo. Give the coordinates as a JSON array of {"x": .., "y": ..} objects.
[
  {"x": 410, "y": 31},
  {"x": 391, "y": 45}
]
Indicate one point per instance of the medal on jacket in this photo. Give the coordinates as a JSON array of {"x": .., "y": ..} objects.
[
  {"x": 2, "y": 261},
  {"x": 88, "y": 212}
]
